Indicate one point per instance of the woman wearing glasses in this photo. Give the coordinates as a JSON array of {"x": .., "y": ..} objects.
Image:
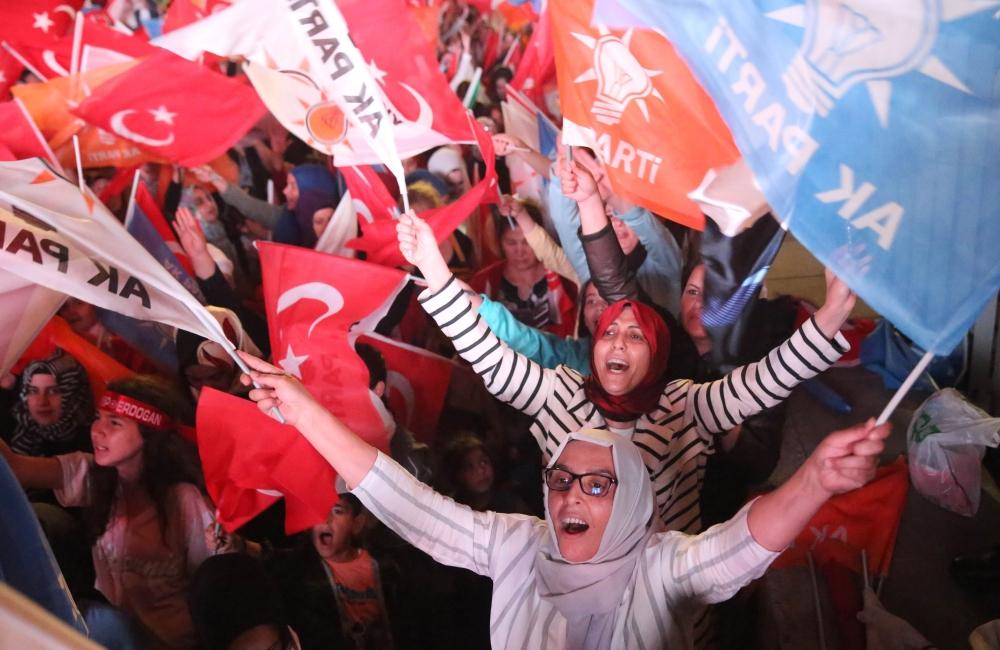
[{"x": 594, "y": 573}]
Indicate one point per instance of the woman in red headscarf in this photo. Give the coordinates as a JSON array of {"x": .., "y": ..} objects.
[{"x": 673, "y": 423}]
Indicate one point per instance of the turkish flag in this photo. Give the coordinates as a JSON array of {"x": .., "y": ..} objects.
[
  {"x": 100, "y": 367},
  {"x": 174, "y": 108},
  {"x": 536, "y": 70},
  {"x": 634, "y": 101},
  {"x": 244, "y": 451},
  {"x": 378, "y": 239},
  {"x": 98, "y": 42},
  {"x": 416, "y": 384},
  {"x": 406, "y": 67},
  {"x": 36, "y": 22},
  {"x": 372, "y": 200},
  {"x": 19, "y": 134},
  {"x": 10, "y": 72},
  {"x": 866, "y": 518}
]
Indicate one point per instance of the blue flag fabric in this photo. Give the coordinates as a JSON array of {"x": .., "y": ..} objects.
[{"x": 872, "y": 130}]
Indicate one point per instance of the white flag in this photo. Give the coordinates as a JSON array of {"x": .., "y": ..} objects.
[
  {"x": 25, "y": 308},
  {"x": 342, "y": 227},
  {"x": 57, "y": 237}
]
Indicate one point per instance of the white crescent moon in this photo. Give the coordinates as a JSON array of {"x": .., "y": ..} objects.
[
  {"x": 320, "y": 291},
  {"x": 118, "y": 126},
  {"x": 66, "y": 9},
  {"x": 49, "y": 58},
  {"x": 362, "y": 209},
  {"x": 405, "y": 388},
  {"x": 425, "y": 118}
]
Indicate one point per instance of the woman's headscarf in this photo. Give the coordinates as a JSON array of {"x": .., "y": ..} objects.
[
  {"x": 294, "y": 226},
  {"x": 34, "y": 439},
  {"x": 644, "y": 397},
  {"x": 588, "y": 593}
]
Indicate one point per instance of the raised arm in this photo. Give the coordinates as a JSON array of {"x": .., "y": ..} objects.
[
  {"x": 509, "y": 376},
  {"x": 712, "y": 566},
  {"x": 452, "y": 534},
  {"x": 505, "y": 144},
  {"x": 33, "y": 472},
  {"x": 545, "y": 348},
  {"x": 249, "y": 206},
  {"x": 548, "y": 252},
  {"x": 720, "y": 405}
]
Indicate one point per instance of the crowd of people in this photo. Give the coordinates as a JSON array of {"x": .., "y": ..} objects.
[{"x": 588, "y": 483}]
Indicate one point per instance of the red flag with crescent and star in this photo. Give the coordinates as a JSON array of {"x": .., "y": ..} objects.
[
  {"x": 312, "y": 300},
  {"x": 174, "y": 108},
  {"x": 372, "y": 200},
  {"x": 416, "y": 384},
  {"x": 36, "y": 22}
]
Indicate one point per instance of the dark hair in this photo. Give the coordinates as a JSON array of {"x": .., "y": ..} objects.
[
  {"x": 454, "y": 454},
  {"x": 167, "y": 458},
  {"x": 503, "y": 224},
  {"x": 352, "y": 502},
  {"x": 375, "y": 362}
]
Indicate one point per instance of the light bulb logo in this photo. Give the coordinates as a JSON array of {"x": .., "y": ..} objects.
[
  {"x": 849, "y": 42},
  {"x": 621, "y": 79}
]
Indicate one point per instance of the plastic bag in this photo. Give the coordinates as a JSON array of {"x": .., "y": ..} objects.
[{"x": 946, "y": 440}]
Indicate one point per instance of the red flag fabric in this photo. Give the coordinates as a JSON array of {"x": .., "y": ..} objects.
[
  {"x": 10, "y": 71},
  {"x": 36, "y": 22},
  {"x": 378, "y": 239},
  {"x": 536, "y": 70},
  {"x": 185, "y": 12},
  {"x": 53, "y": 58},
  {"x": 149, "y": 207},
  {"x": 174, "y": 108},
  {"x": 258, "y": 454},
  {"x": 416, "y": 384},
  {"x": 100, "y": 367},
  {"x": 631, "y": 98},
  {"x": 372, "y": 200},
  {"x": 867, "y": 518},
  {"x": 20, "y": 135}
]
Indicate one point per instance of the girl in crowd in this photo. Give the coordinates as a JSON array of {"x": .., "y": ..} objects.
[
  {"x": 535, "y": 295},
  {"x": 145, "y": 512},
  {"x": 54, "y": 411},
  {"x": 673, "y": 423},
  {"x": 594, "y": 573}
]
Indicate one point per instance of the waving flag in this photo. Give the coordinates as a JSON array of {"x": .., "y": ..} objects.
[
  {"x": 10, "y": 71},
  {"x": 181, "y": 13},
  {"x": 20, "y": 135},
  {"x": 307, "y": 69},
  {"x": 312, "y": 300},
  {"x": 639, "y": 108},
  {"x": 67, "y": 241},
  {"x": 36, "y": 22},
  {"x": 174, "y": 108},
  {"x": 871, "y": 128},
  {"x": 372, "y": 201},
  {"x": 416, "y": 384},
  {"x": 27, "y": 307},
  {"x": 536, "y": 71}
]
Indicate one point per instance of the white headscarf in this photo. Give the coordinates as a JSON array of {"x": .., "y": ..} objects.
[{"x": 588, "y": 593}]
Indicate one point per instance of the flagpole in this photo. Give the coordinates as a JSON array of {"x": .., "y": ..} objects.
[
  {"x": 20, "y": 59},
  {"x": 79, "y": 165},
  {"x": 131, "y": 197},
  {"x": 905, "y": 387},
  {"x": 74, "y": 61}
]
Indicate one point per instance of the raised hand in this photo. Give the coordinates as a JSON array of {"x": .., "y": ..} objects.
[
  {"x": 837, "y": 307},
  {"x": 846, "y": 460},
  {"x": 420, "y": 248},
  {"x": 280, "y": 390},
  {"x": 192, "y": 240},
  {"x": 577, "y": 183},
  {"x": 504, "y": 144},
  {"x": 206, "y": 174}
]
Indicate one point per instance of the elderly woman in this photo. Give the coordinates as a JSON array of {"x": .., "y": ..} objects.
[{"x": 594, "y": 573}]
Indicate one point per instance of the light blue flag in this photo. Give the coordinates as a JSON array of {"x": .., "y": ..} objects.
[{"x": 873, "y": 128}]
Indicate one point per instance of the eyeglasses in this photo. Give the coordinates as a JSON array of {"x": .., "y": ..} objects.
[{"x": 595, "y": 485}]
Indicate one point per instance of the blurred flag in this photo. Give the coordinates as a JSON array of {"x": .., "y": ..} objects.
[
  {"x": 10, "y": 72},
  {"x": 27, "y": 307},
  {"x": 536, "y": 71},
  {"x": 36, "y": 22},
  {"x": 20, "y": 135},
  {"x": 372, "y": 201},
  {"x": 809, "y": 89},
  {"x": 628, "y": 96},
  {"x": 174, "y": 108},
  {"x": 181, "y": 13}
]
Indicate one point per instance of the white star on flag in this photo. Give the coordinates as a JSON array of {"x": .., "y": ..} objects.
[
  {"x": 292, "y": 364},
  {"x": 161, "y": 114},
  {"x": 43, "y": 22},
  {"x": 377, "y": 73}
]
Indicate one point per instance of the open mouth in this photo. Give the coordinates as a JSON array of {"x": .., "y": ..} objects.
[
  {"x": 574, "y": 526},
  {"x": 325, "y": 538},
  {"x": 616, "y": 366},
  {"x": 100, "y": 448}
]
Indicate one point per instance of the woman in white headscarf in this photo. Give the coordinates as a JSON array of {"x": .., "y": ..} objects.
[{"x": 593, "y": 574}]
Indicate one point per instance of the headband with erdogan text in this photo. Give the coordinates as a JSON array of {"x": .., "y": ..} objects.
[{"x": 133, "y": 409}]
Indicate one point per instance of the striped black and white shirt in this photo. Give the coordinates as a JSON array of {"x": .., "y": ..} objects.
[
  {"x": 675, "y": 577},
  {"x": 675, "y": 438}
]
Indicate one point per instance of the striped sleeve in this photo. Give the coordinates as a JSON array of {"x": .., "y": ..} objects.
[
  {"x": 451, "y": 533},
  {"x": 720, "y": 405},
  {"x": 511, "y": 377},
  {"x": 714, "y": 565}
]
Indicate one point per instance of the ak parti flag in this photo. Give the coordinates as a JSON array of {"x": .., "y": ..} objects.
[
  {"x": 174, "y": 108},
  {"x": 250, "y": 461},
  {"x": 628, "y": 95},
  {"x": 416, "y": 384}
]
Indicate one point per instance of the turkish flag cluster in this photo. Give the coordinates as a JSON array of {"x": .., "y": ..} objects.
[
  {"x": 174, "y": 108},
  {"x": 36, "y": 22},
  {"x": 635, "y": 102},
  {"x": 372, "y": 200},
  {"x": 378, "y": 239},
  {"x": 416, "y": 384},
  {"x": 312, "y": 300},
  {"x": 18, "y": 134}
]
